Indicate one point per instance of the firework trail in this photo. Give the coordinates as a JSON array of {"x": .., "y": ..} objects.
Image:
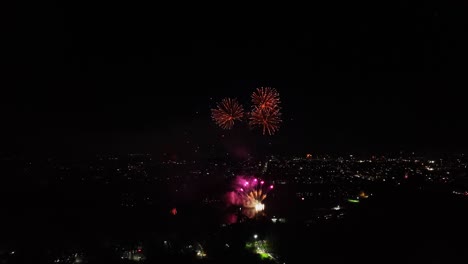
[{"x": 226, "y": 112}]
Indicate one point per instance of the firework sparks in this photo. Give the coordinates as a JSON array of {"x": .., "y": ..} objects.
[
  {"x": 265, "y": 113},
  {"x": 266, "y": 110},
  {"x": 265, "y": 98},
  {"x": 249, "y": 193},
  {"x": 268, "y": 119},
  {"x": 228, "y": 111},
  {"x": 252, "y": 193}
]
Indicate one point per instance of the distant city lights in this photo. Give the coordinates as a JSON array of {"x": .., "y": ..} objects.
[{"x": 336, "y": 208}]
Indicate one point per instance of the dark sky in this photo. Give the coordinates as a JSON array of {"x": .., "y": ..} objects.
[{"x": 367, "y": 77}]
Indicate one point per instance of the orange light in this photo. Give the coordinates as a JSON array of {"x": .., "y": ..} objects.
[{"x": 362, "y": 194}]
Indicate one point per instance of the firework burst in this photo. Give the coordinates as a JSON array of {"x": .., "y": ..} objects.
[
  {"x": 252, "y": 193},
  {"x": 265, "y": 110},
  {"x": 226, "y": 112},
  {"x": 268, "y": 119},
  {"x": 265, "y": 98}
]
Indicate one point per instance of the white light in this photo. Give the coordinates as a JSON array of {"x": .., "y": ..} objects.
[
  {"x": 255, "y": 236},
  {"x": 259, "y": 207},
  {"x": 201, "y": 254}
]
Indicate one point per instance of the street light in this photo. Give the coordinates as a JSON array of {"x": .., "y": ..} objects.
[{"x": 255, "y": 236}]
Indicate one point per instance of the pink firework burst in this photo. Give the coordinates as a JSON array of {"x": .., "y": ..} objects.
[{"x": 250, "y": 191}]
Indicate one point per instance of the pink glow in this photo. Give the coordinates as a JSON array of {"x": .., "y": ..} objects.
[
  {"x": 242, "y": 188},
  {"x": 231, "y": 219},
  {"x": 232, "y": 198}
]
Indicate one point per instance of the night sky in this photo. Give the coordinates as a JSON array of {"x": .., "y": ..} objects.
[{"x": 130, "y": 78}]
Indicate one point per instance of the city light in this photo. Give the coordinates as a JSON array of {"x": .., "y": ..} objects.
[
  {"x": 201, "y": 253},
  {"x": 362, "y": 194}
]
